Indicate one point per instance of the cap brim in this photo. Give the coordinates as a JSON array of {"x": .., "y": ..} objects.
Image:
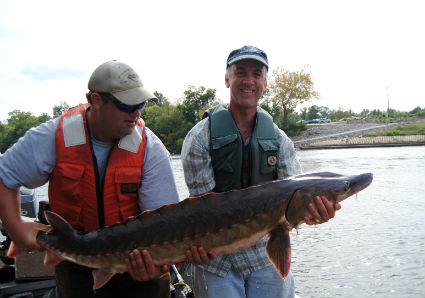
[
  {"x": 246, "y": 57},
  {"x": 134, "y": 96}
]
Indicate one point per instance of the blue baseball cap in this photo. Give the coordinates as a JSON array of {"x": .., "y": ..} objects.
[{"x": 247, "y": 52}]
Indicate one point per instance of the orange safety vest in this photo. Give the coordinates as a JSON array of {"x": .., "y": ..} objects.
[{"x": 75, "y": 190}]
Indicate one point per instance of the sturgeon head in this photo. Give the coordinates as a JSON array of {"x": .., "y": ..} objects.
[
  {"x": 304, "y": 188},
  {"x": 335, "y": 187}
]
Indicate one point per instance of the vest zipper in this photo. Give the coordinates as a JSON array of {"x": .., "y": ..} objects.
[{"x": 99, "y": 184}]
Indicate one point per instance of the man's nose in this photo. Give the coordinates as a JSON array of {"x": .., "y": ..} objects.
[
  {"x": 248, "y": 78},
  {"x": 135, "y": 113}
]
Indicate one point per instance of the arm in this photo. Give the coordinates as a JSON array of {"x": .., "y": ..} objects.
[
  {"x": 23, "y": 234},
  {"x": 196, "y": 159},
  {"x": 158, "y": 184},
  {"x": 28, "y": 162}
]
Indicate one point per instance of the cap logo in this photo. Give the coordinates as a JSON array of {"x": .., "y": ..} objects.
[{"x": 133, "y": 77}]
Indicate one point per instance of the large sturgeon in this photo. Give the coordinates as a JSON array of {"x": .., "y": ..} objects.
[{"x": 224, "y": 222}]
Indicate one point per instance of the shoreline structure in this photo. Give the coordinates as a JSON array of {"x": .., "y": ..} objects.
[{"x": 350, "y": 135}]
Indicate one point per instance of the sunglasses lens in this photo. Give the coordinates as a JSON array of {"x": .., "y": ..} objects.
[
  {"x": 128, "y": 108},
  {"x": 122, "y": 106}
]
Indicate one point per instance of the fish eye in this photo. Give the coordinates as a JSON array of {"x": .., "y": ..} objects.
[{"x": 346, "y": 186}]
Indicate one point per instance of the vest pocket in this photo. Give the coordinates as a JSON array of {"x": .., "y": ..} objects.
[
  {"x": 224, "y": 153},
  {"x": 127, "y": 182},
  {"x": 268, "y": 155},
  {"x": 71, "y": 178}
]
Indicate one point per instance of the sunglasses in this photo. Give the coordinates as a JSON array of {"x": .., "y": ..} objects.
[{"x": 122, "y": 106}]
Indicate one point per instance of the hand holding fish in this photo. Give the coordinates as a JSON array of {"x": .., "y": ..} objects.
[
  {"x": 322, "y": 212},
  {"x": 198, "y": 256},
  {"x": 141, "y": 266},
  {"x": 24, "y": 234}
]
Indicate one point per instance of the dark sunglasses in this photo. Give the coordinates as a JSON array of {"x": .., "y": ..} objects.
[{"x": 122, "y": 106}]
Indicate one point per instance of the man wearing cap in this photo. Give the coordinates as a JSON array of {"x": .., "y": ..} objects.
[
  {"x": 237, "y": 145},
  {"x": 103, "y": 166}
]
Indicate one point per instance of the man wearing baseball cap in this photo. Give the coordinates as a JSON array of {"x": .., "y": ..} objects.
[
  {"x": 103, "y": 165},
  {"x": 235, "y": 146}
]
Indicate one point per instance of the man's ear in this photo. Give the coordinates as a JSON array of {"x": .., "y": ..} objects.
[
  {"x": 96, "y": 100},
  {"x": 227, "y": 81}
]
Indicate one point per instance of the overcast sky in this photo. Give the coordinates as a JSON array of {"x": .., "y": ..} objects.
[{"x": 356, "y": 49}]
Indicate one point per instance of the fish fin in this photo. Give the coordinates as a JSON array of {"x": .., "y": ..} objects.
[
  {"x": 279, "y": 250},
  {"x": 100, "y": 278},
  {"x": 57, "y": 222},
  {"x": 14, "y": 251},
  {"x": 51, "y": 258}
]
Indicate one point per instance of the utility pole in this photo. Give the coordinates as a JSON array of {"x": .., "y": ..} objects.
[{"x": 388, "y": 101}]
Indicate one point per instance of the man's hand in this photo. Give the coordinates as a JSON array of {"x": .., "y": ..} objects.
[
  {"x": 324, "y": 211},
  {"x": 198, "y": 255},
  {"x": 141, "y": 266},
  {"x": 23, "y": 237}
]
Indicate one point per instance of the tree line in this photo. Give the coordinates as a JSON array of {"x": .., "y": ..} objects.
[{"x": 171, "y": 122}]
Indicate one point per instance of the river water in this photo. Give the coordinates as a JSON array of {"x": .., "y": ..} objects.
[{"x": 375, "y": 245}]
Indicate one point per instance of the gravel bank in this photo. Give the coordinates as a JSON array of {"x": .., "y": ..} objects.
[{"x": 339, "y": 130}]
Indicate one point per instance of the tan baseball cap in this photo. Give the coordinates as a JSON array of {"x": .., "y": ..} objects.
[{"x": 120, "y": 80}]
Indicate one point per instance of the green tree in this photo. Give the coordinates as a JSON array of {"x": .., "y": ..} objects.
[
  {"x": 418, "y": 111},
  {"x": 60, "y": 108},
  {"x": 376, "y": 113},
  {"x": 291, "y": 88},
  {"x": 291, "y": 127},
  {"x": 304, "y": 113},
  {"x": 324, "y": 112},
  {"x": 266, "y": 102},
  {"x": 17, "y": 124},
  {"x": 161, "y": 97},
  {"x": 313, "y": 112},
  {"x": 167, "y": 122},
  {"x": 196, "y": 101}
]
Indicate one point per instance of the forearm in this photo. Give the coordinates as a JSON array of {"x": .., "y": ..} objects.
[
  {"x": 22, "y": 233},
  {"x": 9, "y": 207}
]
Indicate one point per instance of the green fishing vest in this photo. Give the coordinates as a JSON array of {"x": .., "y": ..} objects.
[{"x": 226, "y": 149}]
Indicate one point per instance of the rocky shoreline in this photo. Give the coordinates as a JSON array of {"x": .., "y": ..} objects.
[{"x": 341, "y": 130}]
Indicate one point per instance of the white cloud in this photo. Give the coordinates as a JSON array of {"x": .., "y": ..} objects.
[{"x": 355, "y": 48}]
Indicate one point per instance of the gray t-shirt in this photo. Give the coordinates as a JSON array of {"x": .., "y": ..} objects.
[{"x": 30, "y": 161}]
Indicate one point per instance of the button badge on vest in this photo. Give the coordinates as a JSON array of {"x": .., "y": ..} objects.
[{"x": 271, "y": 160}]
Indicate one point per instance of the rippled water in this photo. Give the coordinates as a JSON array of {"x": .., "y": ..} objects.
[{"x": 375, "y": 245}]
